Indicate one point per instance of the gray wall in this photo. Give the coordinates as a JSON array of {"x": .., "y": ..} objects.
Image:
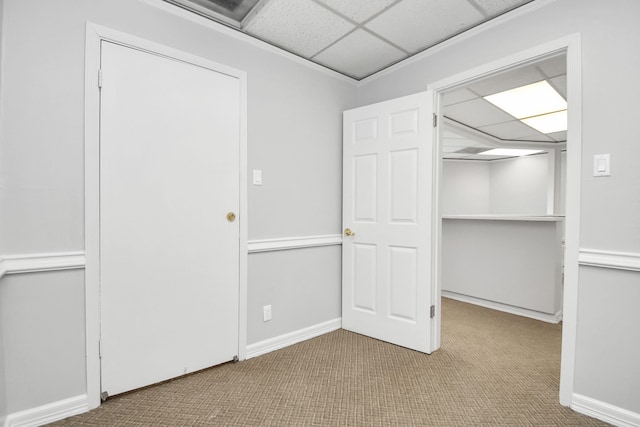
[
  {"x": 287, "y": 280},
  {"x": 466, "y": 187},
  {"x": 3, "y": 388},
  {"x": 513, "y": 186},
  {"x": 519, "y": 186},
  {"x": 610, "y": 206},
  {"x": 608, "y": 335},
  {"x": 43, "y": 321},
  {"x": 294, "y": 136}
]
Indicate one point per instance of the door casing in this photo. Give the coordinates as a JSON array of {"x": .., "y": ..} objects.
[
  {"x": 95, "y": 34},
  {"x": 571, "y": 45}
]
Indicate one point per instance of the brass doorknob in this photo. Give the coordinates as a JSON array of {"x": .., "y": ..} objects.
[
  {"x": 231, "y": 217},
  {"x": 348, "y": 232}
]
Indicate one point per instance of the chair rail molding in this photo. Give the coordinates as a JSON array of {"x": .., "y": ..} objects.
[
  {"x": 284, "y": 243},
  {"x": 32, "y": 263},
  {"x": 609, "y": 259}
]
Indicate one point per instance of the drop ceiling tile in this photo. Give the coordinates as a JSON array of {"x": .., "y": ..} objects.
[
  {"x": 358, "y": 10},
  {"x": 359, "y": 54},
  {"x": 454, "y": 156},
  {"x": 448, "y": 149},
  {"x": 418, "y": 24},
  {"x": 559, "y": 83},
  {"x": 452, "y": 135},
  {"x": 555, "y": 66},
  {"x": 538, "y": 137},
  {"x": 458, "y": 95},
  {"x": 507, "y": 80},
  {"x": 460, "y": 143},
  {"x": 515, "y": 130},
  {"x": 304, "y": 29},
  {"x": 496, "y": 7},
  {"x": 476, "y": 113},
  {"x": 558, "y": 136}
]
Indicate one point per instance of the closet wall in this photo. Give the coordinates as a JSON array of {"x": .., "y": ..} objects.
[{"x": 516, "y": 186}]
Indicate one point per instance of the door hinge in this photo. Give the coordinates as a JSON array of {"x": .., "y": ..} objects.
[
  {"x": 435, "y": 120},
  {"x": 100, "y": 78},
  {"x": 433, "y": 311}
]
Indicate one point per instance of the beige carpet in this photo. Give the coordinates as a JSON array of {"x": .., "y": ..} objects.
[{"x": 493, "y": 369}]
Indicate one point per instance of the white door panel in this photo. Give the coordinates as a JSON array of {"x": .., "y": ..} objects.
[
  {"x": 388, "y": 283},
  {"x": 169, "y": 159}
]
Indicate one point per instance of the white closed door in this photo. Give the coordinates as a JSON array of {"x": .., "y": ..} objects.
[
  {"x": 388, "y": 282},
  {"x": 169, "y": 256}
]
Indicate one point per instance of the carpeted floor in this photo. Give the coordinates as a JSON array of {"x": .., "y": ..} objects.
[{"x": 493, "y": 369}]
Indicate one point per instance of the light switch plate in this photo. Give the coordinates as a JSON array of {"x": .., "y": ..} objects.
[
  {"x": 602, "y": 165},
  {"x": 257, "y": 177}
]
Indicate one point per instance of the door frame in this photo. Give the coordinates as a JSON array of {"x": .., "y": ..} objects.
[
  {"x": 571, "y": 45},
  {"x": 95, "y": 34}
]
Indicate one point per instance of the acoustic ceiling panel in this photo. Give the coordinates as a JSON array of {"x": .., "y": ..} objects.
[
  {"x": 496, "y": 7},
  {"x": 507, "y": 80},
  {"x": 559, "y": 83},
  {"x": 554, "y": 66},
  {"x": 303, "y": 27},
  {"x": 477, "y": 112},
  {"x": 359, "y": 54},
  {"x": 514, "y": 130},
  {"x": 558, "y": 136},
  {"x": 358, "y": 10},
  {"x": 424, "y": 23},
  {"x": 458, "y": 95}
]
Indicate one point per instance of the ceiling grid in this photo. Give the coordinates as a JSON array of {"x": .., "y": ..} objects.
[{"x": 359, "y": 38}]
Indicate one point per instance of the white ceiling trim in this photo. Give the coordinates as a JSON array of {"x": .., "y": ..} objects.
[
  {"x": 482, "y": 137},
  {"x": 237, "y": 34},
  {"x": 485, "y": 26}
]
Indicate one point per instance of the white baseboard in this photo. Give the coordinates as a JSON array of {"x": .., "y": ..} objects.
[
  {"x": 605, "y": 412},
  {"x": 291, "y": 338},
  {"x": 48, "y": 413},
  {"x": 519, "y": 311}
]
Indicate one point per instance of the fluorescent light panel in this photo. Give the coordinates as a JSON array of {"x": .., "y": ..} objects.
[
  {"x": 528, "y": 101},
  {"x": 514, "y": 152}
]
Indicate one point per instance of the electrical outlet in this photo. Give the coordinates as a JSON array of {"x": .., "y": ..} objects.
[{"x": 266, "y": 313}]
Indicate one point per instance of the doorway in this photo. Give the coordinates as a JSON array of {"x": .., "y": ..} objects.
[
  {"x": 571, "y": 47},
  {"x": 165, "y": 240},
  {"x": 502, "y": 202}
]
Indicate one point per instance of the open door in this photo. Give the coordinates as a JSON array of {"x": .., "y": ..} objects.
[{"x": 388, "y": 285}]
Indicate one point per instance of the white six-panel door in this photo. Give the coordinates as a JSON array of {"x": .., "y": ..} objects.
[
  {"x": 169, "y": 256},
  {"x": 388, "y": 214}
]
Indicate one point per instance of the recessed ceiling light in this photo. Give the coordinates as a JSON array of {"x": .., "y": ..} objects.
[
  {"x": 225, "y": 11},
  {"x": 548, "y": 123},
  {"x": 510, "y": 152},
  {"x": 528, "y": 101}
]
